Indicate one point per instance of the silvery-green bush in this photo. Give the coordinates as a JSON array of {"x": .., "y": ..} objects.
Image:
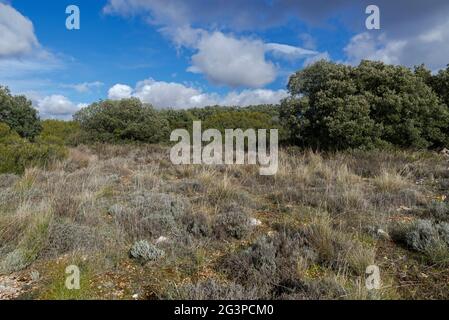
[{"x": 144, "y": 252}]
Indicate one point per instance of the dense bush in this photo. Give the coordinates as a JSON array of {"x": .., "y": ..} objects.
[
  {"x": 221, "y": 118},
  {"x": 178, "y": 119},
  {"x": 17, "y": 112},
  {"x": 62, "y": 132},
  {"x": 335, "y": 106},
  {"x": 17, "y": 153},
  {"x": 439, "y": 82},
  {"x": 124, "y": 120},
  {"x": 239, "y": 120}
]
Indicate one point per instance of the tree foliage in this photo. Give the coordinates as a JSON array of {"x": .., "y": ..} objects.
[
  {"x": 59, "y": 131},
  {"x": 123, "y": 120},
  {"x": 17, "y": 153},
  {"x": 18, "y": 113},
  {"x": 335, "y": 106}
]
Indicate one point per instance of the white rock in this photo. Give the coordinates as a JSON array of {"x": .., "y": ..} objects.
[
  {"x": 255, "y": 222},
  {"x": 135, "y": 296}
]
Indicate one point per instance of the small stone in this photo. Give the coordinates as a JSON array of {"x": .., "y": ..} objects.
[
  {"x": 135, "y": 296},
  {"x": 255, "y": 222}
]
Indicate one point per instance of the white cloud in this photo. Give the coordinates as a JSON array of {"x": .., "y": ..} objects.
[
  {"x": 252, "y": 97},
  {"x": 369, "y": 47},
  {"x": 170, "y": 94},
  {"x": 84, "y": 87},
  {"x": 289, "y": 52},
  {"x": 412, "y": 31},
  {"x": 16, "y": 33},
  {"x": 228, "y": 60},
  {"x": 57, "y": 106},
  {"x": 179, "y": 96},
  {"x": 224, "y": 59},
  {"x": 235, "y": 62},
  {"x": 430, "y": 46},
  {"x": 120, "y": 91}
]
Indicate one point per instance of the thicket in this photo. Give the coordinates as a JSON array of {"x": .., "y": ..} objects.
[
  {"x": 18, "y": 113},
  {"x": 336, "y": 106},
  {"x": 17, "y": 153}
]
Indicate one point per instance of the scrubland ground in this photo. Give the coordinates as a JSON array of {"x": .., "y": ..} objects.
[{"x": 139, "y": 227}]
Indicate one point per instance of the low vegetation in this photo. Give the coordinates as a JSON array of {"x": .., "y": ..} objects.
[{"x": 138, "y": 225}]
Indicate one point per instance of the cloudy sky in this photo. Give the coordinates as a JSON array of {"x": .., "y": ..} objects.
[{"x": 186, "y": 53}]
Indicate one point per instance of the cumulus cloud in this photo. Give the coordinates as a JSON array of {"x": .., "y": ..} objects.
[
  {"x": 179, "y": 96},
  {"x": 252, "y": 97},
  {"x": 16, "y": 33},
  {"x": 226, "y": 59},
  {"x": 412, "y": 31},
  {"x": 234, "y": 62},
  {"x": 429, "y": 46},
  {"x": 169, "y": 94},
  {"x": 120, "y": 91},
  {"x": 57, "y": 106}
]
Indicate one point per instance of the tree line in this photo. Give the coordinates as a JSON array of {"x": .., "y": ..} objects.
[{"x": 331, "y": 107}]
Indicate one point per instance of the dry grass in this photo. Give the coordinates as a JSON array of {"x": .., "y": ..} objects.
[{"x": 319, "y": 215}]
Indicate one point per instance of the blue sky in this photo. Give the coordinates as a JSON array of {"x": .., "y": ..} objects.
[{"x": 180, "y": 54}]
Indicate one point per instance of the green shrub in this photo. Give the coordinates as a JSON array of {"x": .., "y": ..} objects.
[
  {"x": 17, "y": 112},
  {"x": 126, "y": 120},
  {"x": 335, "y": 106},
  {"x": 16, "y": 153},
  {"x": 439, "y": 83},
  {"x": 60, "y": 132},
  {"x": 178, "y": 119}
]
